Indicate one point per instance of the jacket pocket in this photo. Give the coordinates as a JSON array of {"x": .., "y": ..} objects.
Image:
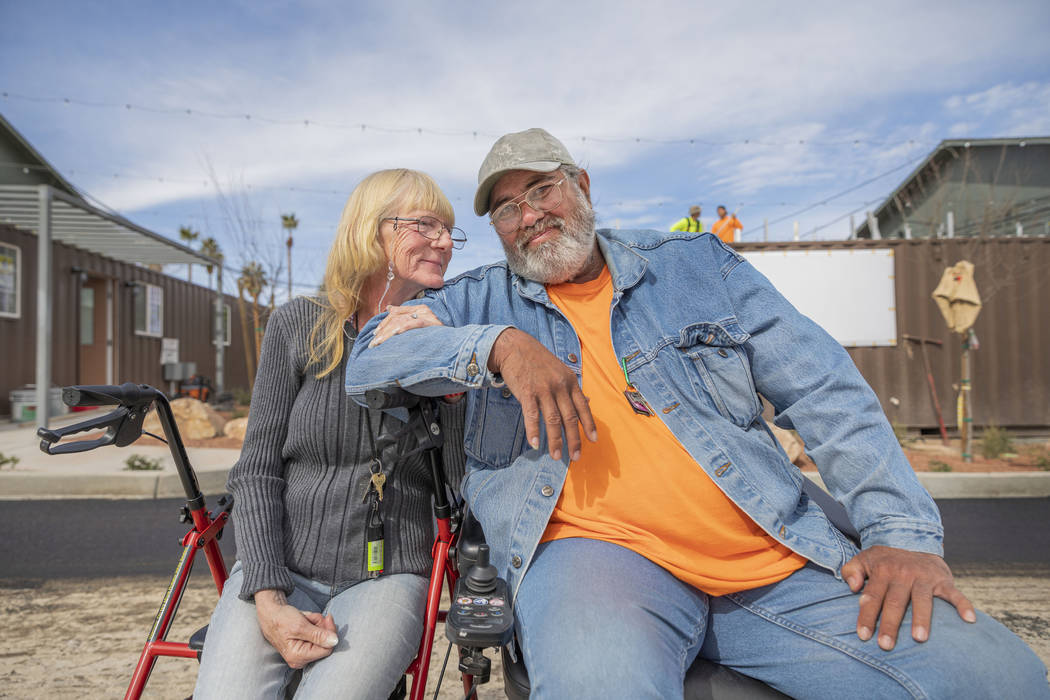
[
  {"x": 722, "y": 370},
  {"x": 496, "y": 434}
]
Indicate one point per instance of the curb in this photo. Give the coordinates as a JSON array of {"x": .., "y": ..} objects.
[
  {"x": 31, "y": 486},
  {"x": 26, "y": 486},
  {"x": 979, "y": 484}
]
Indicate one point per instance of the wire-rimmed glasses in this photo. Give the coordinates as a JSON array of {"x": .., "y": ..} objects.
[
  {"x": 543, "y": 197},
  {"x": 430, "y": 228}
]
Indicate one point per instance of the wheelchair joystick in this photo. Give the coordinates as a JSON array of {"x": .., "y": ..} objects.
[
  {"x": 482, "y": 577},
  {"x": 480, "y": 614}
]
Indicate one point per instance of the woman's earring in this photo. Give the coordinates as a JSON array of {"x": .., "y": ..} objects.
[{"x": 389, "y": 271}]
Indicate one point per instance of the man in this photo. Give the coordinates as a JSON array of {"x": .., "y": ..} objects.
[
  {"x": 678, "y": 528},
  {"x": 691, "y": 222},
  {"x": 726, "y": 226}
]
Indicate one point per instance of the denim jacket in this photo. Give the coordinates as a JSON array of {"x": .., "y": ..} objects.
[{"x": 704, "y": 335}]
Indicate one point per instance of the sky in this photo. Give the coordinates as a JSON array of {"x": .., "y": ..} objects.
[{"x": 222, "y": 116}]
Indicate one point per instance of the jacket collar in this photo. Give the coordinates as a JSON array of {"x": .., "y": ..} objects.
[{"x": 626, "y": 266}]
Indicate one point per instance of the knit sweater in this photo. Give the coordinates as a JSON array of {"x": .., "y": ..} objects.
[{"x": 300, "y": 482}]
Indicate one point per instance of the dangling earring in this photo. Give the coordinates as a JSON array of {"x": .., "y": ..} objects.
[{"x": 389, "y": 279}]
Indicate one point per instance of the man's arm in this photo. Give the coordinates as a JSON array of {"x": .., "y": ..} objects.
[{"x": 816, "y": 389}]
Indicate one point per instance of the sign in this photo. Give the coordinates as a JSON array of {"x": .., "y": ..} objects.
[{"x": 169, "y": 350}]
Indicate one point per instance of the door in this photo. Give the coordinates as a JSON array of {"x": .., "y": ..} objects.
[{"x": 96, "y": 332}]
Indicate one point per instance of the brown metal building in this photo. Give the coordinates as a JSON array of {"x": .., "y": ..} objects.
[
  {"x": 93, "y": 308},
  {"x": 1011, "y": 369}
]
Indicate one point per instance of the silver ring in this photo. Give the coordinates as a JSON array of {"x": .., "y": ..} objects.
[{"x": 415, "y": 315}]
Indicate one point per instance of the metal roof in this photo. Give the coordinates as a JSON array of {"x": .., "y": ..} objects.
[
  {"x": 76, "y": 223},
  {"x": 943, "y": 146}
]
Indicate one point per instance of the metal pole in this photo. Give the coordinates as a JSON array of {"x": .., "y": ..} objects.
[
  {"x": 220, "y": 334},
  {"x": 1020, "y": 229},
  {"x": 852, "y": 228},
  {"x": 967, "y": 404},
  {"x": 794, "y": 231},
  {"x": 951, "y": 224},
  {"x": 873, "y": 226},
  {"x": 765, "y": 230},
  {"x": 43, "y": 309},
  {"x": 907, "y": 231}
]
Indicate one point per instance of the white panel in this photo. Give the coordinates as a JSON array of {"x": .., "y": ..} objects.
[{"x": 847, "y": 291}]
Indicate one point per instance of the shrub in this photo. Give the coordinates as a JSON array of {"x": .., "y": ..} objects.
[
  {"x": 140, "y": 463},
  {"x": 995, "y": 441},
  {"x": 901, "y": 433},
  {"x": 6, "y": 459},
  {"x": 937, "y": 465}
]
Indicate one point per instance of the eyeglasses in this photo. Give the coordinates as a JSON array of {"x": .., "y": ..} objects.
[
  {"x": 430, "y": 228},
  {"x": 543, "y": 197}
]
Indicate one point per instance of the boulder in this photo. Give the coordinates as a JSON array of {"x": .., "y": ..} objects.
[
  {"x": 196, "y": 420},
  {"x": 235, "y": 428}
]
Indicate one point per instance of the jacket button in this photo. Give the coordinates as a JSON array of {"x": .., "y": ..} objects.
[
  {"x": 547, "y": 490},
  {"x": 722, "y": 352},
  {"x": 709, "y": 338},
  {"x": 572, "y": 357},
  {"x": 506, "y": 393},
  {"x": 515, "y": 561},
  {"x": 473, "y": 369}
]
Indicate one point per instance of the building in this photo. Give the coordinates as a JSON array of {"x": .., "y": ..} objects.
[
  {"x": 79, "y": 302},
  {"x": 970, "y": 188}
]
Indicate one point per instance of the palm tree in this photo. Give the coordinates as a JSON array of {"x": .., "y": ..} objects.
[
  {"x": 253, "y": 280},
  {"x": 188, "y": 235},
  {"x": 289, "y": 223},
  {"x": 210, "y": 247},
  {"x": 249, "y": 358}
]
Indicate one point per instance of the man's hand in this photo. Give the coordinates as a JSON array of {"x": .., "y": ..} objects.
[
  {"x": 299, "y": 637},
  {"x": 896, "y": 577},
  {"x": 543, "y": 385}
]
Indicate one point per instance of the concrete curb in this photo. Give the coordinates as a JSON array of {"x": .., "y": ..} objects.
[
  {"x": 29, "y": 485},
  {"x": 980, "y": 484}
]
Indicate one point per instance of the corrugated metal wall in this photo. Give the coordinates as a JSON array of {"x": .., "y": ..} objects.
[
  {"x": 187, "y": 316},
  {"x": 1011, "y": 370}
]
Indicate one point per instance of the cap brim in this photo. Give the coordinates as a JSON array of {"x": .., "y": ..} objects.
[{"x": 481, "y": 197}]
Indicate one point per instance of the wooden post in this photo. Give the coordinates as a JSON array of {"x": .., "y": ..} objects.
[{"x": 967, "y": 404}]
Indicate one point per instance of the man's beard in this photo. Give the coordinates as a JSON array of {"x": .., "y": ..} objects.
[{"x": 563, "y": 256}]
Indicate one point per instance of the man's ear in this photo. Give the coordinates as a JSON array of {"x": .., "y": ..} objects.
[{"x": 584, "y": 181}]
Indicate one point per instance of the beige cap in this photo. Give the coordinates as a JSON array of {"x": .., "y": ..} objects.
[
  {"x": 532, "y": 149},
  {"x": 694, "y": 210}
]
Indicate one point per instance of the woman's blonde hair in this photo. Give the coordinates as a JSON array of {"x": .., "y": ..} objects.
[{"x": 357, "y": 252}]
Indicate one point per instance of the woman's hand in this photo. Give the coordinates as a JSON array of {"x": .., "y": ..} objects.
[
  {"x": 299, "y": 637},
  {"x": 401, "y": 319}
]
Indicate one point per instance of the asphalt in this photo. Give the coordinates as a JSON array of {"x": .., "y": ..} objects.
[{"x": 102, "y": 473}]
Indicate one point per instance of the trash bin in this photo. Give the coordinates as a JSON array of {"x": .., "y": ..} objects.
[{"x": 23, "y": 403}]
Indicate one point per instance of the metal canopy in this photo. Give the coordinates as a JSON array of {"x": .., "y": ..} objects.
[{"x": 76, "y": 223}]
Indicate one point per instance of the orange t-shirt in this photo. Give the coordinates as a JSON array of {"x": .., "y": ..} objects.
[
  {"x": 725, "y": 228},
  {"x": 638, "y": 487}
]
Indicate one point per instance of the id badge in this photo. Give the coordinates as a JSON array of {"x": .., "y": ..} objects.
[{"x": 637, "y": 402}]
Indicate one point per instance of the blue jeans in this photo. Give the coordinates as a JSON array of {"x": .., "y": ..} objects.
[
  {"x": 379, "y": 622},
  {"x": 596, "y": 620}
]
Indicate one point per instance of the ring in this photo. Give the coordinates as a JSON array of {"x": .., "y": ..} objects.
[{"x": 415, "y": 315}]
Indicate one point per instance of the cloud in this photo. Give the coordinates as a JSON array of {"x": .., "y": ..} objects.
[{"x": 1005, "y": 109}]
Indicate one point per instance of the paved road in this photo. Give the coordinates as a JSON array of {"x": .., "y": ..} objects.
[{"x": 95, "y": 538}]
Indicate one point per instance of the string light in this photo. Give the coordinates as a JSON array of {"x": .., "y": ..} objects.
[{"x": 473, "y": 133}]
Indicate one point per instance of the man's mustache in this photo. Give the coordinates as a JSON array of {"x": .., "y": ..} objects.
[{"x": 539, "y": 227}]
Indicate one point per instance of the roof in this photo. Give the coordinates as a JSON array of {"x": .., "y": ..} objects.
[
  {"x": 81, "y": 225},
  {"x": 946, "y": 145}
]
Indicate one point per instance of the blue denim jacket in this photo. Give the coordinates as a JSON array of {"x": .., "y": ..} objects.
[{"x": 704, "y": 335}]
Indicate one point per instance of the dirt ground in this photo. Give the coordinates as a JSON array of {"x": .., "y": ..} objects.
[{"x": 81, "y": 638}]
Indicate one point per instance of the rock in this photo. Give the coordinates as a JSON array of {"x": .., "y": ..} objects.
[
  {"x": 791, "y": 443},
  {"x": 196, "y": 420},
  {"x": 236, "y": 428}
]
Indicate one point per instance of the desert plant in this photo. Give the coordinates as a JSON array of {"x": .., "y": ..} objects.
[
  {"x": 8, "y": 460},
  {"x": 937, "y": 465},
  {"x": 141, "y": 463},
  {"x": 900, "y": 431},
  {"x": 995, "y": 441}
]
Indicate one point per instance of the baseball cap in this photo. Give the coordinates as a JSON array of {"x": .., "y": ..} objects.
[
  {"x": 532, "y": 149},
  {"x": 694, "y": 209}
]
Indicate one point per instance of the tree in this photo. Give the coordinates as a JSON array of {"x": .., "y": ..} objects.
[
  {"x": 188, "y": 235},
  {"x": 253, "y": 280},
  {"x": 289, "y": 223},
  {"x": 210, "y": 247}
]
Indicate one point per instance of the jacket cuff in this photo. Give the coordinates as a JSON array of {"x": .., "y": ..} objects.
[
  {"x": 261, "y": 577},
  {"x": 904, "y": 533}
]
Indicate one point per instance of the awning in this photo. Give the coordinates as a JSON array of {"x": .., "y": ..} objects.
[{"x": 76, "y": 223}]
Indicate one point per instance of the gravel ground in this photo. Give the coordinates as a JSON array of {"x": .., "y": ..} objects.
[{"x": 81, "y": 638}]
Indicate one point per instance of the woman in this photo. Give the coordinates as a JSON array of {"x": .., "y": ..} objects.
[{"x": 316, "y": 470}]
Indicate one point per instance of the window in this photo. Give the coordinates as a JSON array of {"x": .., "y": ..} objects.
[
  {"x": 225, "y": 326},
  {"x": 87, "y": 316},
  {"x": 149, "y": 310},
  {"x": 10, "y": 281}
]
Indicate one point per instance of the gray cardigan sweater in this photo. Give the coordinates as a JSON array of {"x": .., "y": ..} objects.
[{"x": 304, "y": 469}]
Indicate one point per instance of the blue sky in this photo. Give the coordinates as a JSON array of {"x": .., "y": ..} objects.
[{"x": 786, "y": 105}]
